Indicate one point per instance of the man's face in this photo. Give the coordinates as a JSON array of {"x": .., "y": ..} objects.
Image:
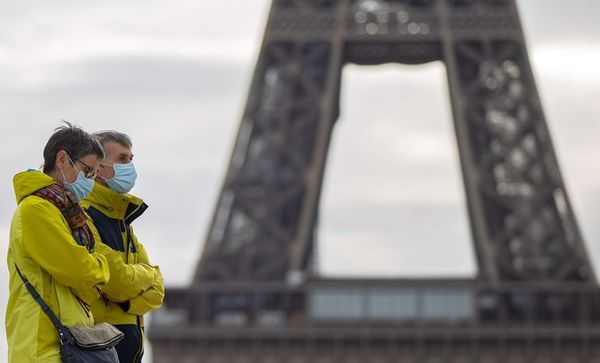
[{"x": 115, "y": 154}]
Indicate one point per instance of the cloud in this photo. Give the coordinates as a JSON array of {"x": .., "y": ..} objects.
[
  {"x": 138, "y": 76},
  {"x": 558, "y": 60},
  {"x": 552, "y": 22},
  {"x": 394, "y": 140},
  {"x": 63, "y": 30},
  {"x": 352, "y": 242}
]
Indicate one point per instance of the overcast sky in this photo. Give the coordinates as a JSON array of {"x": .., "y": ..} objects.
[{"x": 174, "y": 75}]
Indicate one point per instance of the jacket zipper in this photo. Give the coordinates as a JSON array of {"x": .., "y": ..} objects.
[
  {"x": 128, "y": 233},
  {"x": 127, "y": 238}
]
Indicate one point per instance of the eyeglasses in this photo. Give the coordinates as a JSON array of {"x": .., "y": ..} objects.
[{"x": 88, "y": 171}]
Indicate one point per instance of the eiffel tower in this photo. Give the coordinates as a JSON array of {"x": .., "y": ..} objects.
[{"x": 256, "y": 295}]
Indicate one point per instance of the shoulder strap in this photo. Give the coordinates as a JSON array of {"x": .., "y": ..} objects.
[{"x": 62, "y": 330}]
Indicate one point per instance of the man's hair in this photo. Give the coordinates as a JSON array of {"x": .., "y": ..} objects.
[
  {"x": 74, "y": 141},
  {"x": 111, "y": 135}
]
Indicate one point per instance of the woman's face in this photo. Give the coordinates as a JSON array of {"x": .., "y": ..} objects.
[{"x": 88, "y": 164}]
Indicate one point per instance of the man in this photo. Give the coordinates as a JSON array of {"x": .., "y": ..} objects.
[{"x": 135, "y": 286}]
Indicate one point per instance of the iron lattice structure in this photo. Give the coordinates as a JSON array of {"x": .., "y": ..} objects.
[{"x": 255, "y": 296}]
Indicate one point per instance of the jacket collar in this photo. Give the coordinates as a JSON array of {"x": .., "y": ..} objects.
[
  {"x": 27, "y": 182},
  {"x": 113, "y": 204}
]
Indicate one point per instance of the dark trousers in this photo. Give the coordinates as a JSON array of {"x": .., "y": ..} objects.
[{"x": 131, "y": 348}]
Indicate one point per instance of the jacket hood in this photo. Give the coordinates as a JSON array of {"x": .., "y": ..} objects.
[{"x": 27, "y": 182}]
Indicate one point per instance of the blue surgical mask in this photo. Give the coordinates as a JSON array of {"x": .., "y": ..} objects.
[
  {"x": 124, "y": 179},
  {"x": 81, "y": 187}
]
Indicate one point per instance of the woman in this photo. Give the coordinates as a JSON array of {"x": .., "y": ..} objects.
[{"x": 53, "y": 247}]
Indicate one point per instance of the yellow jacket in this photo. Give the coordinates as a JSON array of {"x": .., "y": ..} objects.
[
  {"x": 135, "y": 286},
  {"x": 64, "y": 273}
]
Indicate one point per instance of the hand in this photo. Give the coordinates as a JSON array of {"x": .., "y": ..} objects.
[{"x": 109, "y": 299}]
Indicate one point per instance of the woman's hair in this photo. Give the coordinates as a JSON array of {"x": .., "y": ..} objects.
[{"x": 74, "y": 141}]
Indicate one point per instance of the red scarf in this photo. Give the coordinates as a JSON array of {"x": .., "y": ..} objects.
[{"x": 72, "y": 211}]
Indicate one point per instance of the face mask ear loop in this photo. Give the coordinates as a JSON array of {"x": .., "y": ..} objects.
[
  {"x": 103, "y": 178},
  {"x": 65, "y": 189},
  {"x": 63, "y": 173}
]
